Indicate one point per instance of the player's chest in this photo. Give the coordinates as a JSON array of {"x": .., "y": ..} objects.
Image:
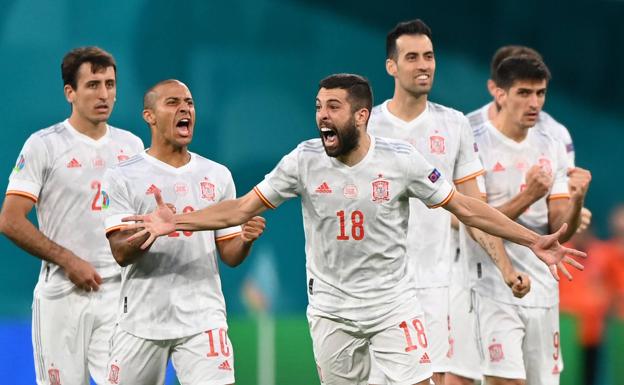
[
  {"x": 183, "y": 192},
  {"x": 506, "y": 169},
  {"x": 372, "y": 191},
  {"x": 436, "y": 143}
]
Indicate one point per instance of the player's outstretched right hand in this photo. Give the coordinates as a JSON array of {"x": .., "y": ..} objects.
[
  {"x": 159, "y": 222},
  {"x": 82, "y": 274}
]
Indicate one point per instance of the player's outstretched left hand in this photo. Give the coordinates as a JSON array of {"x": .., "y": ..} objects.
[
  {"x": 551, "y": 252},
  {"x": 253, "y": 229},
  {"x": 157, "y": 223}
]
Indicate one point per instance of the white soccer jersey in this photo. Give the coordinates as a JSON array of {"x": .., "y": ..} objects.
[
  {"x": 174, "y": 290},
  {"x": 506, "y": 163},
  {"x": 355, "y": 221},
  {"x": 444, "y": 137},
  {"x": 61, "y": 170},
  {"x": 545, "y": 122}
]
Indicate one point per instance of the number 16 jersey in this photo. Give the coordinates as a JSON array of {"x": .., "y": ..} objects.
[{"x": 355, "y": 221}]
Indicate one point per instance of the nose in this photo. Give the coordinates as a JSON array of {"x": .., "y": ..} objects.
[
  {"x": 321, "y": 113},
  {"x": 103, "y": 94}
]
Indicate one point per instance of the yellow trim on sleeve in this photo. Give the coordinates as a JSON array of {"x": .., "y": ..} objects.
[
  {"x": 558, "y": 196},
  {"x": 445, "y": 201},
  {"x": 264, "y": 200},
  {"x": 468, "y": 177},
  {"x": 229, "y": 236},
  {"x": 114, "y": 228},
  {"x": 23, "y": 194}
]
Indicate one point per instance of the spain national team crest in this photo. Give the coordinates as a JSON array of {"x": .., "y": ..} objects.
[
  {"x": 54, "y": 376},
  {"x": 121, "y": 156},
  {"x": 207, "y": 190},
  {"x": 545, "y": 163},
  {"x": 113, "y": 374},
  {"x": 436, "y": 144},
  {"x": 381, "y": 190},
  {"x": 496, "y": 352}
]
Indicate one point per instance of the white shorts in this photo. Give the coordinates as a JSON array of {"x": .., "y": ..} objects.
[
  {"x": 435, "y": 304},
  {"x": 464, "y": 354},
  {"x": 519, "y": 342},
  {"x": 343, "y": 350},
  {"x": 202, "y": 359},
  {"x": 70, "y": 334}
]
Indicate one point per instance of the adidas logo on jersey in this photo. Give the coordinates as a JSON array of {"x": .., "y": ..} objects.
[
  {"x": 73, "y": 163},
  {"x": 556, "y": 369},
  {"x": 498, "y": 167},
  {"x": 323, "y": 189},
  {"x": 151, "y": 190},
  {"x": 425, "y": 359},
  {"x": 225, "y": 365}
]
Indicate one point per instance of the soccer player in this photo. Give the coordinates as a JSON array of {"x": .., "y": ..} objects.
[
  {"x": 520, "y": 337},
  {"x": 171, "y": 303},
  {"x": 355, "y": 191},
  {"x": 60, "y": 170},
  {"x": 444, "y": 137}
]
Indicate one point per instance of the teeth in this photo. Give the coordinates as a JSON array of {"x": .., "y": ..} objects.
[
  {"x": 422, "y": 77},
  {"x": 325, "y": 129}
]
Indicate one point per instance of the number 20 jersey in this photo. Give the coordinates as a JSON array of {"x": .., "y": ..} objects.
[
  {"x": 61, "y": 170},
  {"x": 355, "y": 222}
]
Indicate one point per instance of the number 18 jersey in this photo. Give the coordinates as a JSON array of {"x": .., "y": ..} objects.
[{"x": 355, "y": 221}]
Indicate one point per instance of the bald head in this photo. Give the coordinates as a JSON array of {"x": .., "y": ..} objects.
[{"x": 151, "y": 95}]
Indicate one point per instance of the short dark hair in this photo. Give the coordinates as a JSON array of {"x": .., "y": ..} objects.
[
  {"x": 99, "y": 59},
  {"x": 150, "y": 96},
  {"x": 359, "y": 92},
  {"x": 511, "y": 50},
  {"x": 516, "y": 68},
  {"x": 412, "y": 27}
]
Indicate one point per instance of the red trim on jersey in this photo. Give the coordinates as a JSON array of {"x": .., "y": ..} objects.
[
  {"x": 264, "y": 200},
  {"x": 559, "y": 196},
  {"x": 468, "y": 177},
  {"x": 23, "y": 194},
  {"x": 445, "y": 201},
  {"x": 114, "y": 228},
  {"x": 229, "y": 236}
]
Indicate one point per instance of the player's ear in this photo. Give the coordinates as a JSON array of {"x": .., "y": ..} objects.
[
  {"x": 499, "y": 95},
  {"x": 391, "y": 67},
  {"x": 491, "y": 86},
  {"x": 148, "y": 116},
  {"x": 361, "y": 116},
  {"x": 69, "y": 93}
]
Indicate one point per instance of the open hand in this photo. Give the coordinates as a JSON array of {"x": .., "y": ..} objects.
[
  {"x": 159, "y": 222},
  {"x": 552, "y": 253}
]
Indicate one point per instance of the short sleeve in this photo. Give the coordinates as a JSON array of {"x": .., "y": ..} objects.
[
  {"x": 282, "y": 183},
  {"x": 467, "y": 164},
  {"x": 28, "y": 175},
  {"x": 559, "y": 188},
  {"x": 120, "y": 203},
  {"x": 425, "y": 182},
  {"x": 229, "y": 192}
]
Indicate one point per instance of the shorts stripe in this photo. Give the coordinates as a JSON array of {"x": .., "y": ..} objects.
[{"x": 37, "y": 340}]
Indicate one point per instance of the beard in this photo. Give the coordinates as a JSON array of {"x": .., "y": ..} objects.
[{"x": 348, "y": 139}]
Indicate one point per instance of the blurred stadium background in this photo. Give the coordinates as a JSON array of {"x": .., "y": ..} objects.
[{"x": 253, "y": 68}]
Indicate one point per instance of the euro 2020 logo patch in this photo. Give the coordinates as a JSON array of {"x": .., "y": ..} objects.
[{"x": 20, "y": 163}]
